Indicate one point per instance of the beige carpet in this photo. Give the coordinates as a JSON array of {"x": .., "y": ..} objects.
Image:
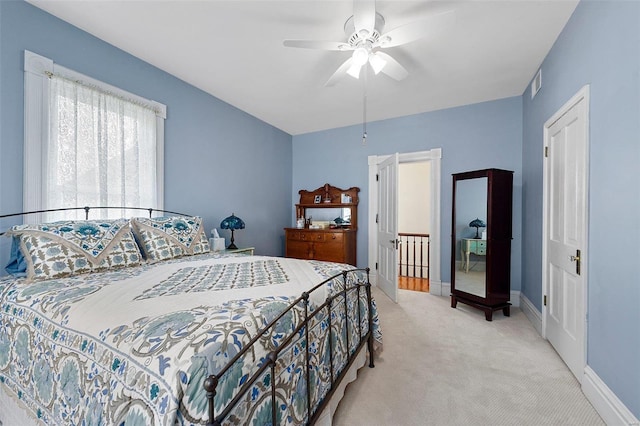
[{"x": 444, "y": 366}]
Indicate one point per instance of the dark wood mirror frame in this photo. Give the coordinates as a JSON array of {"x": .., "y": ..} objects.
[{"x": 498, "y": 243}]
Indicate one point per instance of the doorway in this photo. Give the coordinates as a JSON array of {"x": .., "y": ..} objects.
[
  {"x": 414, "y": 212},
  {"x": 433, "y": 157},
  {"x": 564, "y": 249}
]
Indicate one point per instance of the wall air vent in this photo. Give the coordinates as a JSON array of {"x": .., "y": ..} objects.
[{"x": 536, "y": 84}]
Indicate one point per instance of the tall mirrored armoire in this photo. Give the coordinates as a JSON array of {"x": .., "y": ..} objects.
[{"x": 481, "y": 240}]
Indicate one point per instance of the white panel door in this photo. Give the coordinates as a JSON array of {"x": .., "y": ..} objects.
[
  {"x": 565, "y": 236},
  {"x": 388, "y": 227}
]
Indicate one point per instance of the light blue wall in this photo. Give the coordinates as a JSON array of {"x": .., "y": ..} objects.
[
  {"x": 218, "y": 159},
  {"x": 600, "y": 46},
  {"x": 485, "y": 135}
]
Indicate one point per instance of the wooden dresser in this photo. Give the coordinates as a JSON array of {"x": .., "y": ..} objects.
[{"x": 337, "y": 244}]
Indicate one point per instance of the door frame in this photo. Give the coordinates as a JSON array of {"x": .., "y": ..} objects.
[
  {"x": 581, "y": 95},
  {"x": 434, "y": 156}
]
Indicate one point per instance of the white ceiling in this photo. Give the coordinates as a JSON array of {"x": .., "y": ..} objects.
[{"x": 233, "y": 50}]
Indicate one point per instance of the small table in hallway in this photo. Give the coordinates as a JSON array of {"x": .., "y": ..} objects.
[{"x": 472, "y": 245}]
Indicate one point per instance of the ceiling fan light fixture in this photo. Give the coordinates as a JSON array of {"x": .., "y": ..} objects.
[
  {"x": 354, "y": 70},
  {"x": 376, "y": 62},
  {"x": 360, "y": 56}
]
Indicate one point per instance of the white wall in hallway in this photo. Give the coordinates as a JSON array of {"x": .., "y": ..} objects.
[{"x": 414, "y": 211}]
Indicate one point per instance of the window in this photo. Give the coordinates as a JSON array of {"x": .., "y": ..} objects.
[{"x": 88, "y": 144}]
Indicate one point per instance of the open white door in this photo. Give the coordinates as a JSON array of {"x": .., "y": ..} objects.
[
  {"x": 388, "y": 227},
  {"x": 566, "y": 137}
]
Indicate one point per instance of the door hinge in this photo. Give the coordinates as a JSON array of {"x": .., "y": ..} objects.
[
  {"x": 546, "y": 151},
  {"x": 377, "y": 177},
  {"x": 376, "y": 217},
  {"x": 376, "y": 266},
  {"x": 545, "y": 300}
]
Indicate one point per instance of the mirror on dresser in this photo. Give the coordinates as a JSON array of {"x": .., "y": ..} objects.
[{"x": 481, "y": 240}]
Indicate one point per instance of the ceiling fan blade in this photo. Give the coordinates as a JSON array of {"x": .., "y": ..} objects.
[
  {"x": 318, "y": 44},
  {"x": 392, "y": 68},
  {"x": 416, "y": 30},
  {"x": 364, "y": 15},
  {"x": 340, "y": 72}
]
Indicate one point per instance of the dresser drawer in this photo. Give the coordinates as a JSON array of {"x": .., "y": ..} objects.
[
  {"x": 305, "y": 236},
  {"x": 299, "y": 249},
  {"x": 329, "y": 251},
  {"x": 292, "y": 235},
  {"x": 328, "y": 245},
  {"x": 314, "y": 236},
  {"x": 335, "y": 237}
]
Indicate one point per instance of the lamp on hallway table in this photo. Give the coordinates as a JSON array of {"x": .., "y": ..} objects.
[
  {"x": 233, "y": 222},
  {"x": 477, "y": 223}
]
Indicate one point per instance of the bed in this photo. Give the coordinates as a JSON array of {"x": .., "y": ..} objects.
[{"x": 136, "y": 322}]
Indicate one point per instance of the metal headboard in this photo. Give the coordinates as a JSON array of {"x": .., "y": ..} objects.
[{"x": 87, "y": 209}]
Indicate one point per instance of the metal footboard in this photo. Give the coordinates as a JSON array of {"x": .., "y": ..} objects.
[{"x": 331, "y": 308}]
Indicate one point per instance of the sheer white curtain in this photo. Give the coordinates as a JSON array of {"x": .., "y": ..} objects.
[{"x": 101, "y": 151}]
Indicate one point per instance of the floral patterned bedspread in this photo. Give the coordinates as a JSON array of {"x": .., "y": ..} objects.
[{"x": 134, "y": 345}]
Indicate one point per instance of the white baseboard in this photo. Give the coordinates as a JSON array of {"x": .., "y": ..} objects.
[
  {"x": 438, "y": 288},
  {"x": 606, "y": 403},
  {"x": 514, "y": 298},
  {"x": 531, "y": 312}
]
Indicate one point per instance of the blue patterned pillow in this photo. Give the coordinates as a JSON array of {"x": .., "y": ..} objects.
[
  {"x": 163, "y": 238},
  {"x": 58, "y": 249}
]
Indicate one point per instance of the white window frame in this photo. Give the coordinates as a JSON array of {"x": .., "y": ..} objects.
[{"x": 37, "y": 70}]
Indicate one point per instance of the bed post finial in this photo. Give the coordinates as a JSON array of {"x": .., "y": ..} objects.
[
  {"x": 86, "y": 212},
  {"x": 210, "y": 384}
]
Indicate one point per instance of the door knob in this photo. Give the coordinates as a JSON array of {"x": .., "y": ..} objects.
[{"x": 576, "y": 259}]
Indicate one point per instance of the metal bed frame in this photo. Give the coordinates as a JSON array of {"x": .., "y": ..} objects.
[{"x": 348, "y": 322}]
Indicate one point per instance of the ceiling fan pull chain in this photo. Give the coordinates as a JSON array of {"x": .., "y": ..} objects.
[{"x": 364, "y": 107}]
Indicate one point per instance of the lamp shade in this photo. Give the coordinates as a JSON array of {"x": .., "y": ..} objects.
[
  {"x": 477, "y": 223},
  {"x": 232, "y": 222}
]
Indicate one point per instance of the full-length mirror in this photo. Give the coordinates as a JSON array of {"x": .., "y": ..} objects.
[
  {"x": 471, "y": 242},
  {"x": 481, "y": 240}
]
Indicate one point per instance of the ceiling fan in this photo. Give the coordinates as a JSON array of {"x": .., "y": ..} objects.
[{"x": 366, "y": 38}]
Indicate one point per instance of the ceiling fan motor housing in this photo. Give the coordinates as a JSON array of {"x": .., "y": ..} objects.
[{"x": 356, "y": 38}]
